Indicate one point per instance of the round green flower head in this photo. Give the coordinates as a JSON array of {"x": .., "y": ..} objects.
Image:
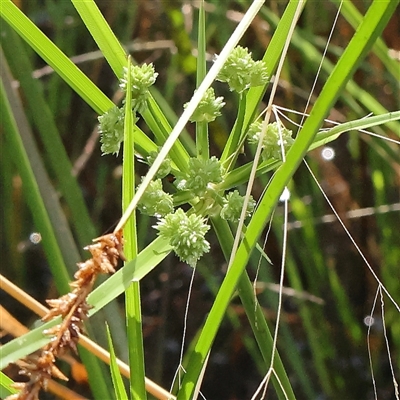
[
  {"x": 155, "y": 201},
  {"x": 241, "y": 72},
  {"x": 233, "y": 204},
  {"x": 201, "y": 174},
  {"x": 111, "y": 128},
  {"x": 272, "y": 139},
  {"x": 185, "y": 234},
  {"x": 208, "y": 108},
  {"x": 142, "y": 77},
  {"x": 165, "y": 167}
]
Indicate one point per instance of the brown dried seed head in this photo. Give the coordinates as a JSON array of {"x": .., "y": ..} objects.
[
  {"x": 57, "y": 373},
  {"x": 106, "y": 251},
  {"x": 52, "y": 331}
]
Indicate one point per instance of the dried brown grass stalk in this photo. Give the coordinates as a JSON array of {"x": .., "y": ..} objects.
[{"x": 73, "y": 309}]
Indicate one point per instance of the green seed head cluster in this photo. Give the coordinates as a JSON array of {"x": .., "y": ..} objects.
[
  {"x": 111, "y": 128},
  {"x": 208, "y": 108},
  {"x": 233, "y": 204},
  {"x": 186, "y": 231},
  {"x": 275, "y": 137},
  {"x": 142, "y": 77},
  {"x": 185, "y": 234},
  {"x": 165, "y": 167},
  {"x": 241, "y": 72},
  {"x": 201, "y": 174},
  {"x": 156, "y": 202},
  {"x": 111, "y": 124}
]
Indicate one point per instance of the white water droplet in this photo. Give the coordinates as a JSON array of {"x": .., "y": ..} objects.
[
  {"x": 328, "y": 153},
  {"x": 35, "y": 237},
  {"x": 369, "y": 320}
]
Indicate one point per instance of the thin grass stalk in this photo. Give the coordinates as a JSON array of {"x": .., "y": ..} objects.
[
  {"x": 313, "y": 320},
  {"x": 248, "y": 340},
  {"x": 288, "y": 343},
  {"x": 255, "y": 315},
  {"x": 98, "y": 376},
  {"x": 390, "y": 252}
]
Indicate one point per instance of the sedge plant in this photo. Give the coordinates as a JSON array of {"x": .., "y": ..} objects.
[{"x": 206, "y": 194}]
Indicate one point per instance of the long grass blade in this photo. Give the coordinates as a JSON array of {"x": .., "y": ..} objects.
[
  {"x": 68, "y": 71},
  {"x": 118, "y": 383}
]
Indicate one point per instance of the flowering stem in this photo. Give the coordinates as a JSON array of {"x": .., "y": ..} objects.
[
  {"x": 202, "y": 143},
  {"x": 231, "y": 146},
  {"x": 132, "y": 293},
  {"x": 202, "y": 140},
  {"x": 128, "y": 174}
]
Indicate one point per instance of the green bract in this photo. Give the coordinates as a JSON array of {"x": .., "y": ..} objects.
[
  {"x": 155, "y": 201},
  {"x": 209, "y": 107},
  {"x": 185, "y": 234},
  {"x": 272, "y": 143},
  {"x": 142, "y": 77},
  {"x": 241, "y": 72},
  {"x": 111, "y": 128},
  {"x": 201, "y": 173},
  {"x": 233, "y": 203}
]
